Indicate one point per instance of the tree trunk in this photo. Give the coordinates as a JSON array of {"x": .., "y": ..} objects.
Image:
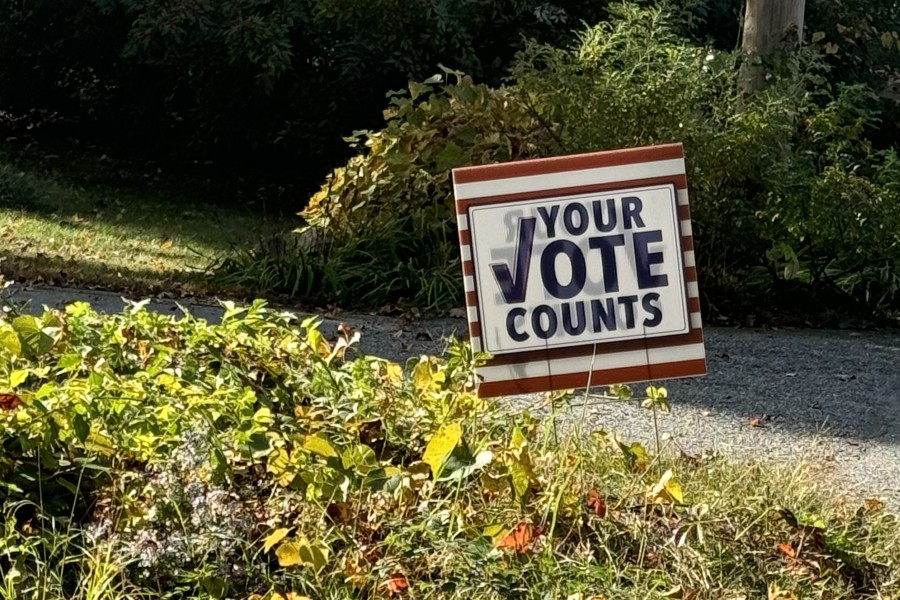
[{"x": 769, "y": 26}]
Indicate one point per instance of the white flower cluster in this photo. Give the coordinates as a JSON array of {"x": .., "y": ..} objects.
[{"x": 188, "y": 521}]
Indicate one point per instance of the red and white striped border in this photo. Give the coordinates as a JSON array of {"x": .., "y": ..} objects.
[{"x": 681, "y": 355}]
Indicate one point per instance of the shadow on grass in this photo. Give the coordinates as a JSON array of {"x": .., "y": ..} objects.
[
  {"x": 57, "y": 271},
  {"x": 131, "y": 211}
]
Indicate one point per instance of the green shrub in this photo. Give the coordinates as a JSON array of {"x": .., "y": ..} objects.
[
  {"x": 255, "y": 86},
  {"x": 381, "y": 229},
  {"x": 789, "y": 197}
]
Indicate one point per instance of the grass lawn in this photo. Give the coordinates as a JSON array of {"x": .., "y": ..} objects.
[{"x": 56, "y": 230}]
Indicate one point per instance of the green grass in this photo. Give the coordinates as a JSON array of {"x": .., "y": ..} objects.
[{"x": 56, "y": 230}]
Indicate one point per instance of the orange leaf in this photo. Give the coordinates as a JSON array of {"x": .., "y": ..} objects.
[
  {"x": 754, "y": 422},
  {"x": 397, "y": 584},
  {"x": 9, "y": 401},
  {"x": 596, "y": 503},
  {"x": 874, "y": 504},
  {"x": 788, "y": 550},
  {"x": 519, "y": 539}
]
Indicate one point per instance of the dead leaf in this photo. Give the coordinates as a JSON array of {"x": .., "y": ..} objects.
[
  {"x": 596, "y": 503},
  {"x": 520, "y": 539},
  {"x": 9, "y": 401},
  {"x": 167, "y": 243},
  {"x": 874, "y": 504},
  {"x": 340, "y": 512},
  {"x": 457, "y": 313},
  {"x": 397, "y": 584},
  {"x": 787, "y": 549}
]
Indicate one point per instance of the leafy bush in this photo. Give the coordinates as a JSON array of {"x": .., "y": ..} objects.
[
  {"x": 789, "y": 196},
  {"x": 257, "y": 459},
  {"x": 784, "y": 184},
  {"x": 261, "y": 86},
  {"x": 381, "y": 228}
]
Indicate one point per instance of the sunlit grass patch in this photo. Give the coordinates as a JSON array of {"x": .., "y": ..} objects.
[{"x": 58, "y": 231}]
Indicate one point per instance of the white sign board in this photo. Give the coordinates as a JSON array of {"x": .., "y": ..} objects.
[
  {"x": 588, "y": 252},
  {"x": 583, "y": 269}
]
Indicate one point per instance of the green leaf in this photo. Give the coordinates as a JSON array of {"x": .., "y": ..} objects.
[
  {"x": 313, "y": 555},
  {"x": 636, "y": 456},
  {"x": 518, "y": 439},
  {"x": 81, "y": 427},
  {"x": 216, "y": 587},
  {"x": 442, "y": 443},
  {"x": 520, "y": 480},
  {"x": 388, "y": 479},
  {"x": 359, "y": 457},
  {"x": 9, "y": 340},
  {"x": 320, "y": 446},
  {"x": 17, "y": 378},
  {"x": 275, "y": 537},
  {"x": 259, "y": 445},
  {"x": 34, "y": 334},
  {"x": 481, "y": 461},
  {"x": 70, "y": 362},
  {"x": 451, "y": 156}
]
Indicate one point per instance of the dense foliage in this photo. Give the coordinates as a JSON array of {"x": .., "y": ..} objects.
[
  {"x": 790, "y": 197},
  {"x": 379, "y": 228},
  {"x": 146, "y": 456},
  {"x": 272, "y": 85},
  {"x": 269, "y": 85}
]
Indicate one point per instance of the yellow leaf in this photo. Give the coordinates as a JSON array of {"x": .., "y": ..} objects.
[
  {"x": 263, "y": 416},
  {"x": 99, "y": 443},
  {"x": 274, "y": 537},
  {"x": 424, "y": 377},
  {"x": 17, "y": 377},
  {"x": 288, "y": 554},
  {"x": 394, "y": 373},
  {"x": 279, "y": 465},
  {"x": 495, "y": 532},
  {"x": 831, "y": 48},
  {"x": 818, "y": 37},
  {"x": 320, "y": 446},
  {"x": 667, "y": 489},
  {"x": 887, "y": 39},
  {"x": 167, "y": 243},
  {"x": 441, "y": 445}
]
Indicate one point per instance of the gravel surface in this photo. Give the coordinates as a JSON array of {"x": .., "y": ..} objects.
[{"x": 830, "y": 396}]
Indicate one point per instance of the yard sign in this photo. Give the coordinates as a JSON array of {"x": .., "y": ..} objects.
[{"x": 580, "y": 269}]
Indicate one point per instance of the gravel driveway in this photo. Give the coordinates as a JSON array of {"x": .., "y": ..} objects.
[{"x": 831, "y": 396}]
